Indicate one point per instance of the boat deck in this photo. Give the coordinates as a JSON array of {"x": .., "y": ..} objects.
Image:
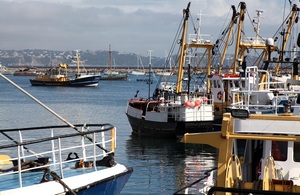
[
  {"x": 61, "y": 158},
  {"x": 10, "y": 181}
]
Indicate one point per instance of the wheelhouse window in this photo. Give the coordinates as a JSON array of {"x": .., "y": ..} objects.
[
  {"x": 297, "y": 152},
  {"x": 279, "y": 150},
  {"x": 215, "y": 83},
  {"x": 219, "y": 85}
]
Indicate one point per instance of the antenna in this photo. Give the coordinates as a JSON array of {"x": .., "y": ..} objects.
[{"x": 257, "y": 22}]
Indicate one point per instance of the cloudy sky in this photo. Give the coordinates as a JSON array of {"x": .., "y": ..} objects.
[{"x": 133, "y": 26}]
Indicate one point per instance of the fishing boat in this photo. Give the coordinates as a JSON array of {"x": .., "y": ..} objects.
[
  {"x": 259, "y": 142},
  {"x": 269, "y": 163},
  {"x": 59, "y": 76},
  {"x": 258, "y": 146},
  {"x": 222, "y": 84},
  {"x": 60, "y": 159},
  {"x": 170, "y": 114},
  {"x": 111, "y": 74}
]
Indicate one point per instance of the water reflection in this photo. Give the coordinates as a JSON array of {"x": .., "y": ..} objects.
[{"x": 167, "y": 163}]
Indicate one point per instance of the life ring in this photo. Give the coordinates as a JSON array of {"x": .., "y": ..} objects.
[{"x": 220, "y": 95}]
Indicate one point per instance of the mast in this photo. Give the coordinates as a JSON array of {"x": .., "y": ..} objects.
[
  {"x": 149, "y": 79},
  {"x": 257, "y": 28},
  {"x": 198, "y": 32},
  {"x": 233, "y": 21},
  {"x": 77, "y": 62},
  {"x": 186, "y": 13},
  {"x": 286, "y": 36},
  {"x": 110, "y": 60},
  {"x": 238, "y": 39}
]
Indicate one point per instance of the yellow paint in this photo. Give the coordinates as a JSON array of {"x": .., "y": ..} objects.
[
  {"x": 113, "y": 140},
  {"x": 5, "y": 159}
]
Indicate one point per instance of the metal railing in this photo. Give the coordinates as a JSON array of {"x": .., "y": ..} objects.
[{"x": 55, "y": 147}]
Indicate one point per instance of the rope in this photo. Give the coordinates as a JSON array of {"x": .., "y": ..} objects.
[{"x": 56, "y": 178}]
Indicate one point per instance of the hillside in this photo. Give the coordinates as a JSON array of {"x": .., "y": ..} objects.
[{"x": 48, "y": 58}]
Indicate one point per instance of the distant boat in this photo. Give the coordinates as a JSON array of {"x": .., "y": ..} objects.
[
  {"x": 166, "y": 72},
  {"x": 137, "y": 72},
  {"x": 4, "y": 70},
  {"x": 26, "y": 72},
  {"x": 140, "y": 67},
  {"x": 58, "y": 76},
  {"x": 113, "y": 75}
]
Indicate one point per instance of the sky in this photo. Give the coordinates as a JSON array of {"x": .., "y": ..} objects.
[{"x": 130, "y": 26}]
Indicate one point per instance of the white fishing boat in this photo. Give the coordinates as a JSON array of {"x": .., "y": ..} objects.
[
  {"x": 258, "y": 144},
  {"x": 259, "y": 141},
  {"x": 170, "y": 114},
  {"x": 269, "y": 162},
  {"x": 223, "y": 83},
  {"x": 60, "y": 159}
]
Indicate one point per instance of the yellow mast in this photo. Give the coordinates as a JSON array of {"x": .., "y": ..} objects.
[
  {"x": 238, "y": 37},
  {"x": 273, "y": 48},
  {"x": 233, "y": 21},
  {"x": 197, "y": 43},
  {"x": 186, "y": 12},
  {"x": 286, "y": 37},
  {"x": 208, "y": 52}
]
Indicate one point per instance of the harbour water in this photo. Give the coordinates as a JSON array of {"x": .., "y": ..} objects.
[{"x": 160, "y": 166}]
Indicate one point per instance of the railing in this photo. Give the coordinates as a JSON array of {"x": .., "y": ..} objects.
[
  {"x": 55, "y": 147},
  {"x": 200, "y": 38},
  {"x": 202, "y": 113},
  {"x": 253, "y": 40}
]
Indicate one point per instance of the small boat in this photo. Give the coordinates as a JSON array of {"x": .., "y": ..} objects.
[
  {"x": 137, "y": 72},
  {"x": 60, "y": 159},
  {"x": 170, "y": 114},
  {"x": 4, "y": 70},
  {"x": 140, "y": 67},
  {"x": 111, "y": 74},
  {"x": 116, "y": 77},
  {"x": 58, "y": 76},
  {"x": 26, "y": 72},
  {"x": 164, "y": 73}
]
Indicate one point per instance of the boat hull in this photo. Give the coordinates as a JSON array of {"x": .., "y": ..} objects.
[
  {"x": 115, "y": 77},
  {"x": 113, "y": 185},
  {"x": 107, "y": 185},
  {"x": 171, "y": 129},
  {"x": 91, "y": 81}
]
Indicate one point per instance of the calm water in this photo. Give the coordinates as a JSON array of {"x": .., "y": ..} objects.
[{"x": 160, "y": 166}]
